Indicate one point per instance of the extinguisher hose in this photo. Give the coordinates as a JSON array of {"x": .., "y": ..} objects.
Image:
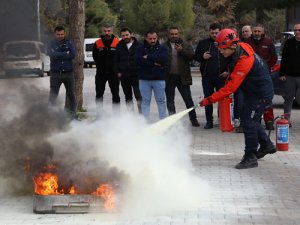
[{"x": 273, "y": 121}]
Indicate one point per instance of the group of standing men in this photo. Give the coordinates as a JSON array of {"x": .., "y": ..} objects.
[
  {"x": 150, "y": 66},
  {"x": 144, "y": 68}
]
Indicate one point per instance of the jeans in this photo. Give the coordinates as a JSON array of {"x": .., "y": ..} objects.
[
  {"x": 254, "y": 133},
  {"x": 185, "y": 92},
  {"x": 113, "y": 82},
  {"x": 56, "y": 79},
  {"x": 158, "y": 87},
  {"x": 292, "y": 89},
  {"x": 210, "y": 84}
]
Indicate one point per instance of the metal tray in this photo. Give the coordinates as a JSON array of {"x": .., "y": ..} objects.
[{"x": 67, "y": 204}]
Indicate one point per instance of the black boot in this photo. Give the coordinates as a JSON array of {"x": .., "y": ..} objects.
[
  {"x": 209, "y": 125},
  {"x": 249, "y": 160},
  {"x": 195, "y": 122},
  {"x": 263, "y": 150}
]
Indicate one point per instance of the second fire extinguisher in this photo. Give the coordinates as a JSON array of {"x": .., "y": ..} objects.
[{"x": 282, "y": 134}]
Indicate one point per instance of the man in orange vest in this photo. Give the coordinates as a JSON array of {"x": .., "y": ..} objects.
[{"x": 103, "y": 55}]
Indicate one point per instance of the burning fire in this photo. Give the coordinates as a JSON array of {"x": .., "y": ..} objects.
[
  {"x": 46, "y": 183},
  {"x": 106, "y": 192}
]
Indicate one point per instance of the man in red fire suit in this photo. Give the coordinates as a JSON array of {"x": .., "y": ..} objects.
[{"x": 249, "y": 73}]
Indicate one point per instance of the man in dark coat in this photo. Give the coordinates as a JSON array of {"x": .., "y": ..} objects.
[
  {"x": 103, "y": 54},
  {"x": 213, "y": 68},
  {"x": 126, "y": 67},
  {"x": 290, "y": 71},
  {"x": 152, "y": 58},
  {"x": 179, "y": 73}
]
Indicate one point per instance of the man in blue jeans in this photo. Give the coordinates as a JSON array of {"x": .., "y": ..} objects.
[
  {"x": 62, "y": 52},
  {"x": 152, "y": 58}
]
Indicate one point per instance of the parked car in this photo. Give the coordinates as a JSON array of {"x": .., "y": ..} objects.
[
  {"x": 88, "y": 51},
  {"x": 25, "y": 57}
]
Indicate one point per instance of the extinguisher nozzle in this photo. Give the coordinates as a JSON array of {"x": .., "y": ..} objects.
[{"x": 196, "y": 106}]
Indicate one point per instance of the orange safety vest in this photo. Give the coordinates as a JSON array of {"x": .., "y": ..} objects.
[{"x": 114, "y": 43}]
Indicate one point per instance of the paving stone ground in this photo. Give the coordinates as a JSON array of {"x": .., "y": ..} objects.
[{"x": 268, "y": 194}]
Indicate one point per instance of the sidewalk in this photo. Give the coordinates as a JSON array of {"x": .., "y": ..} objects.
[{"x": 268, "y": 194}]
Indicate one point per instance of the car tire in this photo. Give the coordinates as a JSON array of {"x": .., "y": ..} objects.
[{"x": 41, "y": 72}]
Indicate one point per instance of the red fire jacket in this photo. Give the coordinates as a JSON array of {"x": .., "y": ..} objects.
[{"x": 248, "y": 71}]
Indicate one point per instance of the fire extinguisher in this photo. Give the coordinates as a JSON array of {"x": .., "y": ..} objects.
[
  {"x": 282, "y": 134},
  {"x": 226, "y": 114}
]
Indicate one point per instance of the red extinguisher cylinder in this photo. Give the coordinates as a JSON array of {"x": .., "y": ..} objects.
[
  {"x": 226, "y": 114},
  {"x": 282, "y": 134}
]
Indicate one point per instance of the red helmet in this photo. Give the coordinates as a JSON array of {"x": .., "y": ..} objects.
[{"x": 225, "y": 38}]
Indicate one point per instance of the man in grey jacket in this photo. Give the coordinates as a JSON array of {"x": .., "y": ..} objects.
[{"x": 179, "y": 73}]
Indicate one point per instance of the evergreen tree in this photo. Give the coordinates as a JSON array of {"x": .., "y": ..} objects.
[
  {"x": 142, "y": 15},
  {"x": 97, "y": 12}
]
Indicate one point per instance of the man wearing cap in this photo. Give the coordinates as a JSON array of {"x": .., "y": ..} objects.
[
  {"x": 249, "y": 72},
  {"x": 103, "y": 54}
]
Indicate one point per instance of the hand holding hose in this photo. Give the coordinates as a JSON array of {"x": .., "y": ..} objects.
[{"x": 205, "y": 102}]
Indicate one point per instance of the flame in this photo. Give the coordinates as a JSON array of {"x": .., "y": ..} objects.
[
  {"x": 46, "y": 184},
  {"x": 72, "y": 190},
  {"x": 106, "y": 192}
]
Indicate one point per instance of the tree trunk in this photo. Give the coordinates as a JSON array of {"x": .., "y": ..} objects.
[{"x": 77, "y": 22}]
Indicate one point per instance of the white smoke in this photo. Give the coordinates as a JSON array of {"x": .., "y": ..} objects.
[
  {"x": 158, "y": 165},
  {"x": 161, "y": 177}
]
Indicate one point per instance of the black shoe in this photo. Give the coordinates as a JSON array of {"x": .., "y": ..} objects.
[
  {"x": 262, "y": 151},
  {"x": 209, "y": 125},
  {"x": 195, "y": 123},
  {"x": 249, "y": 160},
  {"x": 269, "y": 125}
]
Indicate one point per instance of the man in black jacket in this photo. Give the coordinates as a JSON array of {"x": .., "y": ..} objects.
[
  {"x": 213, "y": 68},
  {"x": 179, "y": 73},
  {"x": 103, "y": 54},
  {"x": 126, "y": 67},
  {"x": 290, "y": 70}
]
